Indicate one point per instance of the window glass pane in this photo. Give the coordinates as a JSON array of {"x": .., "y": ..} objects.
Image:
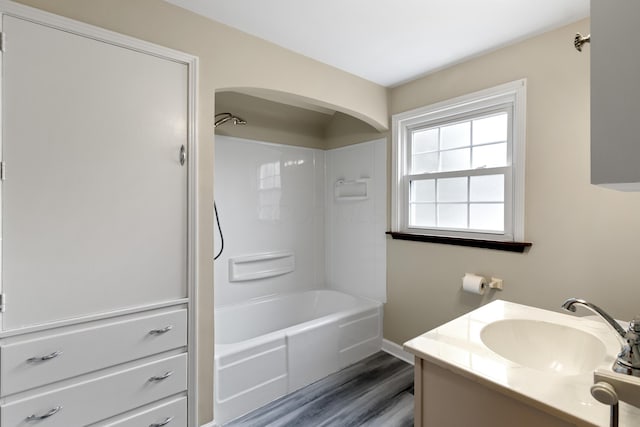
[
  {"x": 452, "y": 189},
  {"x": 461, "y": 163},
  {"x": 490, "y": 129},
  {"x": 454, "y": 160},
  {"x": 454, "y": 136},
  {"x": 487, "y": 188},
  {"x": 423, "y": 215},
  {"x": 424, "y": 141},
  {"x": 489, "y": 156},
  {"x": 487, "y": 216},
  {"x": 452, "y": 216},
  {"x": 421, "y": 163},
  {"x": 423, "y": 191}
]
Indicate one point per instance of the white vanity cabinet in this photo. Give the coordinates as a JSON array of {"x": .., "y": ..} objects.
[
  {"x": 97, "y": 200},
  {"x": 615, "y": 94}
]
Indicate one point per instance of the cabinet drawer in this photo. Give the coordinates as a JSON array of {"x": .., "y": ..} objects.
[
  {"x": 103, "y": 397},
  {"x": 29, "y": 363},
  {"x": 169, "y": 414}
]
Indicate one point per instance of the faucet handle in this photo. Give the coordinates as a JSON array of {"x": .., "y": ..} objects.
[
  {"x": 633, "y": 334},
  {"x": 628, "y": 361}
]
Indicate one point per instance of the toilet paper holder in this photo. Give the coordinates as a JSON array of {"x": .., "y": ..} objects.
[
  {"x": 495, "y": 283},
  {"x": 478, "y": 284}
]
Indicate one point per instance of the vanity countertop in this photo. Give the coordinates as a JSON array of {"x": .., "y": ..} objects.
[{"x": 458, "y": 347}]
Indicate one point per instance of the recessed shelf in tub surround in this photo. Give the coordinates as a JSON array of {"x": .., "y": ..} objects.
[
  {"x": 261, "y": 266},
  {"x": 357, "y": 189},
  {"x": 562, "y": 391}
]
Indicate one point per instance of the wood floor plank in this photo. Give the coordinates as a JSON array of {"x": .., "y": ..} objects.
[{"x": 377, "y": 391}]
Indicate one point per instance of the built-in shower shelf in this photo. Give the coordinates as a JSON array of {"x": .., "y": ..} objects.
[
  {"x": 261, "y": 266},
  {"x": 357, "y": 189}
]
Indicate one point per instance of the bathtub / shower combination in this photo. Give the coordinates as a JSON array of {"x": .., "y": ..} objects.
[{"x": 271, "y": 346}]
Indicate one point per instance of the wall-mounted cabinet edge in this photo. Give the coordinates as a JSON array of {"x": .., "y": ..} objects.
[{"x": 615, "y": 95}]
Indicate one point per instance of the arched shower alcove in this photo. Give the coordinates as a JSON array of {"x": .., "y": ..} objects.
[
  {"x": 286, "y": 305},
  {"x": 288, "y": 118}
]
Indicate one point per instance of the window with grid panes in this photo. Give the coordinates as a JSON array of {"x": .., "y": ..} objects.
[{"x": 459, "y": 166}]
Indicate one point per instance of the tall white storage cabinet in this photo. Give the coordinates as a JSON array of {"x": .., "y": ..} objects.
[{"x": 98, "y": 238}]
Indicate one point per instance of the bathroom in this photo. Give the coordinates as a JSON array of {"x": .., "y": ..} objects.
[{"x": 582, "y": 235}]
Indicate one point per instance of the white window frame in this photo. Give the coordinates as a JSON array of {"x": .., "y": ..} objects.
[{"x": 510, "y": 96}]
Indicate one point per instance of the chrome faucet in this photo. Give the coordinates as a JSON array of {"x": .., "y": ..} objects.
[{"x": 628, "y": 361}]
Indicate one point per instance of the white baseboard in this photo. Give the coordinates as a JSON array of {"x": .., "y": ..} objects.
[{"x": 397, "y": 351}]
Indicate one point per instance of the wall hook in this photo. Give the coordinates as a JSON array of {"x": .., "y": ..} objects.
[{"x": 580, "y": 40}]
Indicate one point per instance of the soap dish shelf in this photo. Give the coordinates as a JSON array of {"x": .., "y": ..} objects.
[
  {"x": 357, "y": 189},
  {"x": 261, "y": 266}
]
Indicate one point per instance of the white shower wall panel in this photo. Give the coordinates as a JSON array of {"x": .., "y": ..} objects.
[
  {"x": 356, "y": 207},
  {"x": 270, "y": 198}
]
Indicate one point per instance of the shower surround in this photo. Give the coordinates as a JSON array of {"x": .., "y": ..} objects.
[
  {"x": 303, "y": 242},
  {"x": 270, "y": 201}
]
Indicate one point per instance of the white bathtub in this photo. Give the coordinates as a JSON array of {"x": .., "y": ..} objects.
[{"x": 268, "y": 347}]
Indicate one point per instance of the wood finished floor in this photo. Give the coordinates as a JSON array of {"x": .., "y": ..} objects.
[{"x": 378, "y": 391}]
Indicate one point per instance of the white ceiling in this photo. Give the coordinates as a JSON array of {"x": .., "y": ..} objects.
[{"x": 391, "y": 41}]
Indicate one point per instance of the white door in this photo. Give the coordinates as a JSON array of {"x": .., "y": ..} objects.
[{"x": 94, "y": 204}]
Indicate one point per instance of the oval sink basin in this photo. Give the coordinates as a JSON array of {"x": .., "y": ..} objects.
[{"x": 544, "y": 346}]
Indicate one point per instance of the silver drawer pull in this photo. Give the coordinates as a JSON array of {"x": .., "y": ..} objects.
[
  {"x": 44, "y": 358},
  {"x": 162, "y": 423},
  {"x": 161, "y": 331},
  {"x": 51, "y": 413},
  {"x": 161, "y": 377}
]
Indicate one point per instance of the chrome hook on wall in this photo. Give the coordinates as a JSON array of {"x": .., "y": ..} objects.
[{"x": 580, "y": 40}]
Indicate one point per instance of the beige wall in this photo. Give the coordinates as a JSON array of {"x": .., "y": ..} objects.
[
  {"x": 584, "y": 237},
  {"x": 344, "y": 130},
  {"x": 283, "y": 123},
  {"x": 272, "y": 121},
  {"x": 228, "y": 59}
]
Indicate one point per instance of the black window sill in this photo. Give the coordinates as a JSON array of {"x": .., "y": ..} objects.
[{"x": 486, "y": 244}]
